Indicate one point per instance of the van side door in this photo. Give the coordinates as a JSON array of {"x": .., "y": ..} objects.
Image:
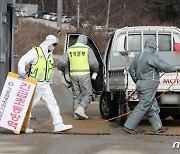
[{"x": 97, "y": 84}]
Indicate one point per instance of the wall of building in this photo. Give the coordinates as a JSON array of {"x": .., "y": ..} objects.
[{"x": 6, "y": 38}]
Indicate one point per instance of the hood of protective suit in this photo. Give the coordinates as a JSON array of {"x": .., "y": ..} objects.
[
  {"x": 50, "y": 39},
  {"x": 150, "y": 45},
  {"x": 82, "y": 39}
]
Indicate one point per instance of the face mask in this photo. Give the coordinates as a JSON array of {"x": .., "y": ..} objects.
[{"x": 51, "y": 48}]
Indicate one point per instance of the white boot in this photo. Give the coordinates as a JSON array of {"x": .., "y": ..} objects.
[
  {"x": 80, "y": 112},
  {"x": 62, "y": 127},
  {"x": 76, "y": 117},
  {"x": 29, "y": 130}
]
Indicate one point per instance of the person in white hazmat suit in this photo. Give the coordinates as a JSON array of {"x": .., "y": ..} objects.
[
  {"x": 81, "y": 59},
  {"x": 144, "y": 71},
  {"x": 41, "y": 69}
]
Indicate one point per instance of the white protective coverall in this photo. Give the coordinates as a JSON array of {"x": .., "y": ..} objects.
[
  {"x": 43, "y": 90},
  {"x": 81, "y": 84},
  {"x": 144, "y": 71}
]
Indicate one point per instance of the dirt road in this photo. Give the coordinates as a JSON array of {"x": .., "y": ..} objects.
[{"x": 116, "y": 143}]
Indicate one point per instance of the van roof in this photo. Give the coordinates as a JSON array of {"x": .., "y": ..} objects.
[{"x": 148, "y": 28}]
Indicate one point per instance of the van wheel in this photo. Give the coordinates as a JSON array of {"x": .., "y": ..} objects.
[
  {"x": 176, "y": 116},
  {"x": 108, "y": 108},
  {"x": 123, "y": 108}
]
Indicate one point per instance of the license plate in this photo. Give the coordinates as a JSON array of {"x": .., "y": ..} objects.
[{"x": 170, "y": 99}]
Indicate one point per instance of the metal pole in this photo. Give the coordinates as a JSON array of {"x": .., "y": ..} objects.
[
  {"x": 59, "y": 14},
  {"x": 107, "y": 22},
  {"x": 78, "y": 9}
]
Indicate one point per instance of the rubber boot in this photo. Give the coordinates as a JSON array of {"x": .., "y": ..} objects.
[
  {"x": 76, "y": 117},
  {"x": 161, "y": 130},
  {"x": 62, "y": 127},
  {"x": 80, "y": 112},
  {"x": 29, "y": 130}
]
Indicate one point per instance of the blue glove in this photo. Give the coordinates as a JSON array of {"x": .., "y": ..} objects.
[{"x": 22, "y": 75}]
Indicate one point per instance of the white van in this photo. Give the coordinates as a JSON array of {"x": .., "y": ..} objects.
[{"x": 119, "y": 94}]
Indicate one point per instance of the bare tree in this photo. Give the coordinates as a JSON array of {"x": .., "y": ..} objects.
[{"x": 42, "y": 2}]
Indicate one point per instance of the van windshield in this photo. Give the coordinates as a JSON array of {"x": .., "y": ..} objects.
[{"x": 134, "y": 42}]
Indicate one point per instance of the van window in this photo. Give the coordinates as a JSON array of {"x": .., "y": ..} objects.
[
  {"x": 164, "y": 42},
  {"x": 134, "y": 42}
]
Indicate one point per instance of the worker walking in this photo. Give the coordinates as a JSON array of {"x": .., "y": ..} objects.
[
  {"x": 41, "y": 69},
  {"x": 81, "y": 58},
  {"x": 144, "y": 71}
]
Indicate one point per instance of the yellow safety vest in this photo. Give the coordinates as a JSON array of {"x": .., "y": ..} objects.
[
  {"x": 78, "y": 58},
  {"x": 43, "y": 69}
]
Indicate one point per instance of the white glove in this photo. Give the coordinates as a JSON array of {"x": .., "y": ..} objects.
[{"x": 94, "y": 76}]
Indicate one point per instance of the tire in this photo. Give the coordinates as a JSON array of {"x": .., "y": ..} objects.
[
  {"x": 108, "y": 108},
  {"x": 176, "y": 116},
  {"x": 123, "y": 108}
]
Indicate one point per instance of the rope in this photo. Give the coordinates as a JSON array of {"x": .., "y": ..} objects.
[{"x": 103, "y": 121}]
